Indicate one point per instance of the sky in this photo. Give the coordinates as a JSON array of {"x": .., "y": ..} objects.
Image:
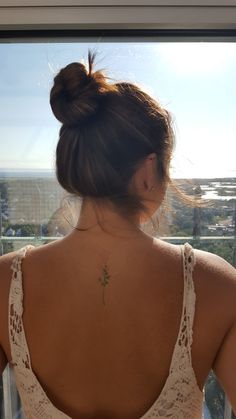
[{"x": 195, "y": 81}]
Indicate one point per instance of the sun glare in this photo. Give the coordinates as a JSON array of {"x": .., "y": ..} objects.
[{"x": 200, "y": 57}]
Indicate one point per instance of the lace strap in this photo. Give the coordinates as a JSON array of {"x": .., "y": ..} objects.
[
  {"x": 189, "y": 291},
  {"x": 182, "y": 351},
  {"x": 19, "y": 348}
]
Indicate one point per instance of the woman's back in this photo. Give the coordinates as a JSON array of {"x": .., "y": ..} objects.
[{"x": 112, "y": 361}]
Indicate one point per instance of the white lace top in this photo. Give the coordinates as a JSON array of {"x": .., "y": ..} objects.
[{"x": 180, "y": 397}]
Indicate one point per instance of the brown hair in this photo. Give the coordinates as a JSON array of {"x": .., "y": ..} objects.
[{"x": 107, "y": 130}]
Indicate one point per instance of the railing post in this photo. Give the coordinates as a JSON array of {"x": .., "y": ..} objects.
[
  {"x": 234, "y": 246},
  {"x": 227, "y": 409},
  {"x": 197, "y": 213},
  {"x": 11, "y": 402},
  {"x": 1, "y": 229},
  {"x": 7, "y": 406}
]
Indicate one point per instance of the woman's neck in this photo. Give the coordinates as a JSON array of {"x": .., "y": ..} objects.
[{"x": 102, "y": 216}]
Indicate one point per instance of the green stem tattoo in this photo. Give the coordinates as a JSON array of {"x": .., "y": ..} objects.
[{"x": 104, "y": 280}]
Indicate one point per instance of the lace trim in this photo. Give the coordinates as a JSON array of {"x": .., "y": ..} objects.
[
  {"x": 180, "y": 397},
  {"x": 35, "y": 402}
]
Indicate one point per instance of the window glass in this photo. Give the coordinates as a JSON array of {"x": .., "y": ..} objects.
[{"x": 194, "y": 80}]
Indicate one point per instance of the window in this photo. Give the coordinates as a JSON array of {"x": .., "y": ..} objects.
[{"x": 194, "y": 80}]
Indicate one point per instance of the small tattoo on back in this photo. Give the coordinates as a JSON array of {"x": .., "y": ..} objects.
[{"x": 104, "y": 279}]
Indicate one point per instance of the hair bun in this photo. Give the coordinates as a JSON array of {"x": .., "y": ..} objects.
[{"x": 76, "y": 92}]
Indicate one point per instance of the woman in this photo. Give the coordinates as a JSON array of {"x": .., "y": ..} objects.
[{"x": 110, "y": 328}]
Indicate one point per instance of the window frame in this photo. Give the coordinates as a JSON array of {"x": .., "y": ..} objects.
[
  {"x": 34, "y": 20},
  {"x": 117, "y": 14}
]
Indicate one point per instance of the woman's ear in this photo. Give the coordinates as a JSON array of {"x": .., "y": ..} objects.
[
  {"x": 150, "y": 171},
  {"x": 145, "y": 177},
  {"x": 145, "y": 184}
]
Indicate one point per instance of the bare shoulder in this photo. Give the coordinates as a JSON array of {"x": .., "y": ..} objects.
[
  {"x": 216, "y": 270},
  {"x": 213, "y": 261},
  {"x": 215, "y": 282},
  {"x": 5, "y": 281},
  {"x": 214, "y": 277},
  {"x": 5, "y": 270}
]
